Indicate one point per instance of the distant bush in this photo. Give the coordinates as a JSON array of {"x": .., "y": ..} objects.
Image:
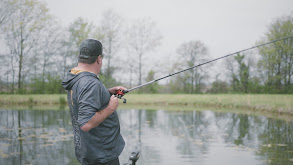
[
  {"x": 62, "y": 100},
  {"x": 30, "y": 100}
]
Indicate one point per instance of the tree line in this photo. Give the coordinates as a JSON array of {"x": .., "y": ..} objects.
[{"x": 37, "y": 52}]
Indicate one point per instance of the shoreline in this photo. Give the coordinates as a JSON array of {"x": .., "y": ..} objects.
[{"x": 281, "y": 104}]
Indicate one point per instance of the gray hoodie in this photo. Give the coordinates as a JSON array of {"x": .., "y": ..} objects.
[{"x": 86, "y": 95}]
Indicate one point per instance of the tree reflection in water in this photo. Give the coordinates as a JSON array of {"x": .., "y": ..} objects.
[
  {"x": 35, "y": 137},
  {"x": 163, "y": 137}
]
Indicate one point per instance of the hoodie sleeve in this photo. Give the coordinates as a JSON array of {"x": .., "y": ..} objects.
[{"x": 89, "y": 101}]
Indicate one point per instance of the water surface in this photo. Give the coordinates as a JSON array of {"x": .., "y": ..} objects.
[{"x": 163, "y": 137}]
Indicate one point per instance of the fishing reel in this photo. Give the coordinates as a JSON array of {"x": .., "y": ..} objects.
[
  {"x": 133, "y": 158},
  {"x": 120, "y": 93}
]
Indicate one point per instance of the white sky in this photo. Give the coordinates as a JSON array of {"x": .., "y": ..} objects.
[{"x": 225, "y": 26}]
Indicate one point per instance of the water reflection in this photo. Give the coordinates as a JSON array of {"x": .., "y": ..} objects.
[{"x": 163, "y": 137}]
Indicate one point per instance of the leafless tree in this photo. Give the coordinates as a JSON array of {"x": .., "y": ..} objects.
[
  {"x": 23, "y": 29},
  {"x": 142, "y": 37},
  {"x": 194, "y": 52},
  {"x": 6, "y": 9},
  {"x": 109, "y": 33},
  {"x": 47, "y": 48}
]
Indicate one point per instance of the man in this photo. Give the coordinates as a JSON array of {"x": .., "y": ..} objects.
[{"x": 94, "y": 118}]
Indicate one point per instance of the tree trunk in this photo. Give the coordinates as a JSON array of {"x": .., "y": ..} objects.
[
  {"x": 130, "y": 78},
  {"x": 43, "y": 74},
  {"x": 20, "y": 68},
  {"x": 139, "y": 68},
  {"x": 108, "y": 73},
  {"x": 192, "y": 80},
  {"x": 20, "y": 60}
]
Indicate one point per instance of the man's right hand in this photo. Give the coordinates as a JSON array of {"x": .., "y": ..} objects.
[{"x": 113, "y": 103}]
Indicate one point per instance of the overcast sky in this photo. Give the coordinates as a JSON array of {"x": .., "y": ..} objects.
[{"x": 225, "y": 26}]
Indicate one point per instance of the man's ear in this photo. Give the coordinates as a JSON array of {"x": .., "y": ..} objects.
[{"x": 98, "y": 62}]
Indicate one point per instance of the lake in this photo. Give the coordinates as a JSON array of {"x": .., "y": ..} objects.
[{"x": 163, "y": 137}]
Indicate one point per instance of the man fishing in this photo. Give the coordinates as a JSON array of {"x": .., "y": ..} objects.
[
  {"x": 94, "y": 118},
  {"x": 95, "y": 121}
]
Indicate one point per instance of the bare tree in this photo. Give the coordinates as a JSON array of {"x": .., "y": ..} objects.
[
  {"x": 66, "y": 52},
  {"x": 109, "y": 33},
  {"x": 194, "y": 52},
  {"x": 142, "y": 37},
  {"x": 6, "y": 9},
  {"x": 48, "y": 47},
  {"x": 131, "y": 67},
  {"x": 23, "y": 29}
]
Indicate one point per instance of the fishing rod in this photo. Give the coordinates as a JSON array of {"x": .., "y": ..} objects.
[{"x": 120, "y": 93}]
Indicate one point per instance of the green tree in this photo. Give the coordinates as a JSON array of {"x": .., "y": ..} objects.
[
  {"x": 219, "y": 86},
  {"x": 151, "y": 88},
  {"x": 243, "y": 76},
  {"x": 79, "y": 30},
  {"x": 180, "y": 82},
  {"x": 239, "y": 73},
  {"x": 276, "y": 60},
  {"x": 51, "y": 85}
]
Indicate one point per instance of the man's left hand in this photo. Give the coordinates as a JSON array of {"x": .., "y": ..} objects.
[{"x": 115, "y": 89}]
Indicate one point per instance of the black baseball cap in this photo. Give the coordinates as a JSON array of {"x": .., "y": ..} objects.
[{"x": 90, "y": 47}]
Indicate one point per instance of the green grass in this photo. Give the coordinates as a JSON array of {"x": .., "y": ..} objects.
[
  {"x": 276, "y": 103},
  {"x": 256, "y": 102},
  {"x": 37, "y": 99}
]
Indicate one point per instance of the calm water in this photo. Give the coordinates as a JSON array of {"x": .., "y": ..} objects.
[{"x": 163, "y": 137}]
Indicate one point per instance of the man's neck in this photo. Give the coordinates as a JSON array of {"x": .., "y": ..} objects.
[{"x": 88, "y": 67}]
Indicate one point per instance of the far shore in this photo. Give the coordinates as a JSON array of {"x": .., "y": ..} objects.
[{"x": 282, "y": 104}]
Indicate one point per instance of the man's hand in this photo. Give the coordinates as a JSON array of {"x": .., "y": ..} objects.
[
  {"x": 113, "y": 104},
  {"x": 115, "y": 89}
]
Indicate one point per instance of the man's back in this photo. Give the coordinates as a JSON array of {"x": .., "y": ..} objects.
[{"x": 87, "y": 95}]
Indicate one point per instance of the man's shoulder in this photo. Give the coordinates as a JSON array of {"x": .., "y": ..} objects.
[{"x": 87, "y": 79}]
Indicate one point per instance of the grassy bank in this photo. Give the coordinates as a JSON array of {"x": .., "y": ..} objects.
[
  {"x": 37, "y": 99},
  {"x": 271, "y": 103}
]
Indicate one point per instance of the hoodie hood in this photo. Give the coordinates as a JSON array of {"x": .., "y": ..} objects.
[{"x": 71, "y": 79}]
